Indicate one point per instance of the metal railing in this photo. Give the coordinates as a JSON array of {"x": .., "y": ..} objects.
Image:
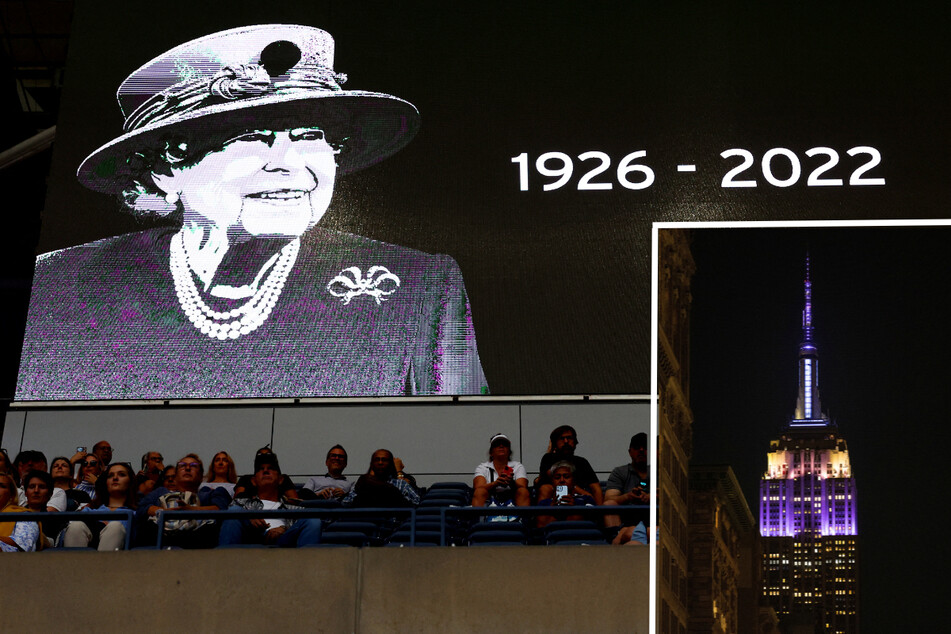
[
  {"x": 445, "y": 513},
  {"x": 74, "y": 516},
  {"x": 235, "y": 513},
  {"x": 555, "y": 511}
]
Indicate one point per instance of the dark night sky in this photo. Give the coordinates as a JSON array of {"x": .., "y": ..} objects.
[{"x": 879, "y": 309}]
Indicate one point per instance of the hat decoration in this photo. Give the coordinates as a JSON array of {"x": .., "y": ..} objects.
[{"x": 249, "y": 78}]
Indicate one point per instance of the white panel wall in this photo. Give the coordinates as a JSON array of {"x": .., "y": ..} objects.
[{"x": 442, "y": 441}]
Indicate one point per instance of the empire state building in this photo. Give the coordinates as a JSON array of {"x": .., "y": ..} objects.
[{"x": 807, "y": 512}]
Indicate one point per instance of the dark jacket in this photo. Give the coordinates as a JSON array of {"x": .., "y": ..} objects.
[{"x": 105, "y": 322}]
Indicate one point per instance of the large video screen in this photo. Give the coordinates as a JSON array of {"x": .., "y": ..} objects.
[{"x": 384, "y": 199}]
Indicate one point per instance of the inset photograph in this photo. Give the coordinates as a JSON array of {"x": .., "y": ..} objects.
[{"x": 801, "y": 374}]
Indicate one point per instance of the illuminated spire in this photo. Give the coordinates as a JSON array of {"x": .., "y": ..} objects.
[
  {"x": 808, "y": 409},
  {"x": 807, "y": 311}
]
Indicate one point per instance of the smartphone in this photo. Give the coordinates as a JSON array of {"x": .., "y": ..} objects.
[
  {"x": 561, "y": 491},
  {"x": 81, "y": 449}
]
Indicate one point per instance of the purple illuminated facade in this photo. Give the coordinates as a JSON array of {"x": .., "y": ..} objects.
[{"x": 807, "y": 511}]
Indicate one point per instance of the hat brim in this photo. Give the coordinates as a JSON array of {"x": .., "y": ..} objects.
[{"x": 370, "y": 126}]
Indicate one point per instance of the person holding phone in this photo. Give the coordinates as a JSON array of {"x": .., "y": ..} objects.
[
  {"x": 500, "y": 479},
  {"x": 629, "y": 484},
  {"x": 563, "y": 492}
]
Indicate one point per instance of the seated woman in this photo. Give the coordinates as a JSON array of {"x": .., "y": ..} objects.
[
  {"x": 15, "y": 536},
  {"x": 381, "y": 486},
  {"x": 564, "y": 492},
  {"x": 500, "y": 479},
  {"x": 90, "y": 468},
  {"x": 221, "y": 474},
  {"x": 115, "y": 491},
  {"x": 236, "y": 140}
]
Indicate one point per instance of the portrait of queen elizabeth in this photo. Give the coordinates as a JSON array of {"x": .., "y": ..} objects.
[{"x": 237, "y": 139}]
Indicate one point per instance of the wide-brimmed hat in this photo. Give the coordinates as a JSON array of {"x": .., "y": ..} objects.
[{"x": 245, "y": 78}]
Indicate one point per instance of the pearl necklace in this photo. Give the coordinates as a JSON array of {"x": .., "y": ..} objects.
[{"x": 239, "y": 321}]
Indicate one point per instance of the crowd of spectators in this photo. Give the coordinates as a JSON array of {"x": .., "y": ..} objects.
[{"x": 91, "y": 482}]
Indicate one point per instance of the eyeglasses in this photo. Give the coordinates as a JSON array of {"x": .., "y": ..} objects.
[
  {"x": 189, "y": 465},
  {"x": 91, "y": 463},
  {"x": 336, "y": 456}
]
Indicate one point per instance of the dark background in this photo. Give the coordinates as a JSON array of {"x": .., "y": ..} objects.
[
  {"x": 559, "y": 281},
  {"x": 880, "y": 313}
]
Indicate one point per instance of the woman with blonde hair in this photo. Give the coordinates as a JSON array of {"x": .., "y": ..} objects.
[
  {"x": 15, "y": 536},
  {"x": 221, "y": 473}
]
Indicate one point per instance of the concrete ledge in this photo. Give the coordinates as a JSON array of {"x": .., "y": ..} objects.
[{"x": 505, "y": 589}]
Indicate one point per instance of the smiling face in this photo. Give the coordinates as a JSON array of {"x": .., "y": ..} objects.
[
  {"x": 336, "y": 461},
  {"x": 265, "y": 183}
]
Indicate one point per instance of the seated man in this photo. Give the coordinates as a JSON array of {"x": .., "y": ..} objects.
[
  {"x": 182, "y": 496},
  {"x": 630, "y": 484},
  {"x": 245, "y": 484},
  {"x": 150, "y": 475},
  {"x": 384, "y": 485},
  {"x": 103, "y": 451},
  {"x": 281, "y": 532},
  {"x": 564, "y": 440},
  {"x": 26, "y": 461},
  {"x": 563, "y": 475},
  {"x": 332, "y": 485}
]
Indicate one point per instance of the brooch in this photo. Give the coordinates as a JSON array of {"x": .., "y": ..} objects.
[{"x": 350, "y": 283}]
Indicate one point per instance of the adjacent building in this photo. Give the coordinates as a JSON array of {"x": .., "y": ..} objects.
[
  {"x": 721, "y": 529},
  {"x": 674, "y": 427},
  {"x": 807, "y": 512}
]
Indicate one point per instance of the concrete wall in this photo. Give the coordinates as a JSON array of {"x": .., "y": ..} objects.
[
  {"x": 440, "y": 441},
  {"x": 503, "y": 589}
]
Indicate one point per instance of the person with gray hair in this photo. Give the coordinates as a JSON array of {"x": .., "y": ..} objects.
[{"x": 563, "y": 492}]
